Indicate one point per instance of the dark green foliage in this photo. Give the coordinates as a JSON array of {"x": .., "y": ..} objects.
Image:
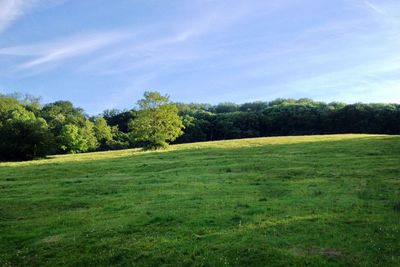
[
  {"x": 198, "y": 126},
  {"x": 372, "y": 118},
  {"x": 280, "y": 117},
  {"x": 118, "y": 118},
  {"x": 24, "y": 139},
  {"x": 287, "y": 117},
  {"x": 201, "y": 122},
  {"x": 295, "y": 117},
  {"x": 120, "y": 140},
  {"x": 22, "y": 135},
  {"x": 28, "y": 130},
  {"x": 257, "y": 106},
  {"x": 74, "y": 132},
  {"x": 226, "y": 107},
  {"x": 61, "y": 113}
]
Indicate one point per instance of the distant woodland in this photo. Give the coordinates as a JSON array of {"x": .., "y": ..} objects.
[{"x": 30, "y": 129}]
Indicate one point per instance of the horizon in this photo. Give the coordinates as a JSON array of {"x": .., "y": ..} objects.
[
  {"x": 20, "y": 96},
  {"x": 104, "y": 56}
]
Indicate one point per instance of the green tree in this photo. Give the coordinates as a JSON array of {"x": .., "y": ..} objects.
[
  {"x": 73, "y": 139},
  {"x": 101, "y": 130},
  {"x": 157, "y": 122},
  {"x": 89, "y": 136},
  {"x": 23, "y": 136},
  {"x": 226, "y": 107},
  {"x": 70, "y": 139},
  {"x": 61, "y": 113},
  {"x": 120, "y": 140}
]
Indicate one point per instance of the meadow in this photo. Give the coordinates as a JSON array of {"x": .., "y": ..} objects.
[{"x": 329, "y": 200}]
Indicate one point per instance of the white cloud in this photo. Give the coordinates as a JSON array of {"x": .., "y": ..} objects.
[
  {"x": 181, "y": 39},
  {"x": 149, "y": 49},
  {"x": 375, "y": 8},
  {"x": 11, "y": 10},
  {"x": 54, "y": 51}
]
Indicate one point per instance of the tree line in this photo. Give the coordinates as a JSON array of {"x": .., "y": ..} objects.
[{"x": 30, "y": 129}]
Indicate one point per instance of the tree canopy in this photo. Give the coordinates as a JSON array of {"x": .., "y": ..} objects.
[
  {"x": 29, "y": 129},
  {"x": 157, "y": 122}
]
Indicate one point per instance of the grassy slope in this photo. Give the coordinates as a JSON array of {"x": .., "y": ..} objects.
[{"x": 322, "y": 200}]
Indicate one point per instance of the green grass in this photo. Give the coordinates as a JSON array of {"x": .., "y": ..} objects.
[{"x": 285, "y": 201}]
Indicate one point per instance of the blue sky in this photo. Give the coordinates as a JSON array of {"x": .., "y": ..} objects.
[{"x": 103, "y": 54}]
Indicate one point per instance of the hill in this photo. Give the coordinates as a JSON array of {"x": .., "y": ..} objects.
[{"x": 316, "y": 200}]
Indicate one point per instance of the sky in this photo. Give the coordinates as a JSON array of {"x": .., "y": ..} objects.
[{"x": 103, "y": 54}]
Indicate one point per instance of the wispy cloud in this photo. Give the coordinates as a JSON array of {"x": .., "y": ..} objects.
[
  {"x": 204, "y": 48},
  {"x": 375, "y": 8},
  {"x": 11, "y": 10},
  {"x": 149, "y": 49},
  {"x": 183, "y": 41},
  {"x": 59, "y": 50}
]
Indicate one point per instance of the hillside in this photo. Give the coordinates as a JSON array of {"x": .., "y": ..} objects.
[{"x": 317, "y": 200}]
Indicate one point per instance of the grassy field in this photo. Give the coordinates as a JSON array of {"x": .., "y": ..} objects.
[{"x": 320, "y": 200}]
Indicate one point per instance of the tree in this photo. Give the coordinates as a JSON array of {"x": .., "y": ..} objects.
[
  {"x": 70, "y": 139},
  {"x": 60, "y": 116},
  {"x": 73, "y": 139},
  {"x": 157, "y": 122},
  {"x": 120, "y": 140},
  {"x": 89, "y": 136},
  {"x": 23, "y": 136},
  {"x": 61, "y": 113},
  {"x": 102, "y": 132},
  {"x": 226, "y": 107},
  {"x": 23, "y": 139},
  {"x": 119, "y": 118}
]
